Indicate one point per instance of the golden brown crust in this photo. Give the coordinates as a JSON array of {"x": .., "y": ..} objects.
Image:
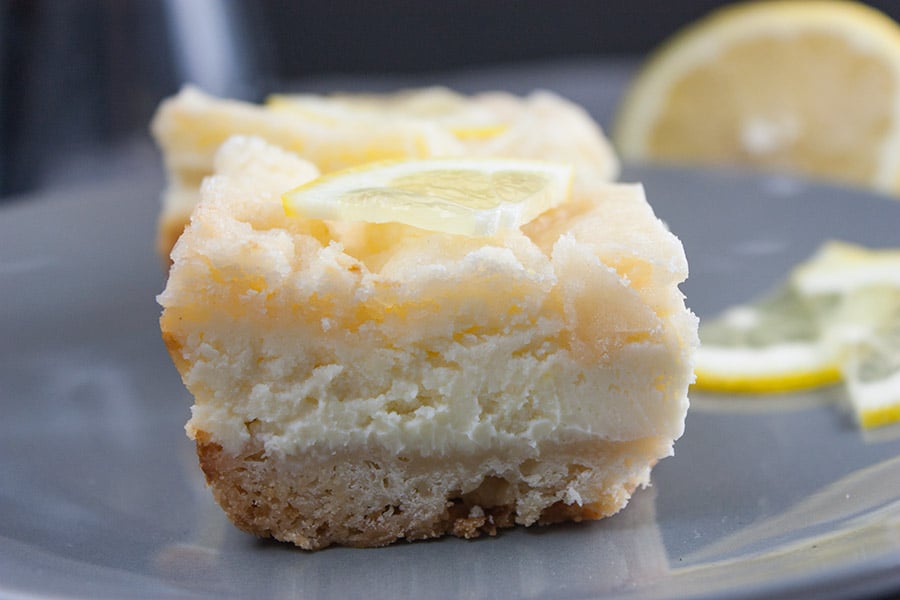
[{"x": 313, "y": 502}]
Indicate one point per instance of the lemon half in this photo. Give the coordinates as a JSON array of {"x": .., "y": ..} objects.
[{"x": 800, "y": 86}]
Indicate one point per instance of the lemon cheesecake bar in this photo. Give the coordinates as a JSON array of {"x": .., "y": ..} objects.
[
  {"x": 342, "y": 130},
  {"x": 358, "y": 383}
]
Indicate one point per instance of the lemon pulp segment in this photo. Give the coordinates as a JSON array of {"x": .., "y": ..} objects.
[{"x": 455, "y": 113}]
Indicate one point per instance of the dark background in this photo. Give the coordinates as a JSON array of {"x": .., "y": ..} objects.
[{"x": 81, "y": 76}]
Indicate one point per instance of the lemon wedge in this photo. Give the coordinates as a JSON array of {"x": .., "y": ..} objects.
[
  {"x": 464, "y": 118},
  {"x": 801, "y": 86},
  {"x": 473, "y": 197}
]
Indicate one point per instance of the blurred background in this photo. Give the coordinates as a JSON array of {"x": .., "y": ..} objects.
[{"x": 82, "y": 78}]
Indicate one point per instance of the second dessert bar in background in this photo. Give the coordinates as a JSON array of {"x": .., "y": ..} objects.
[{"x": 341, "y": 131}]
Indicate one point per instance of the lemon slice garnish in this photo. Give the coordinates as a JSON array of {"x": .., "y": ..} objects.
[
  {"x": 840, "y": 268},
  {"x": 866, "y": 328},
  {"x": 191, "y": 126},
  {"x": 772, "y": 345},
  {"x": 837, "y": 317},
  {"x": 464, "y": 118},
  {"x": 801, "y": 86},
  {"x": 862, "y": 288},
  {"x": 473, "y": 197}
]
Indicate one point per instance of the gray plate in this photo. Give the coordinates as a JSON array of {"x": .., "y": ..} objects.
[{"x": 100, "y": 495}]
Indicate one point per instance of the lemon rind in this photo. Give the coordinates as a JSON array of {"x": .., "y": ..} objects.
[
  {"x": 741, "y": 370},
  {"x": 875, "y": 403},
  {"x": 780, "y": 384}
]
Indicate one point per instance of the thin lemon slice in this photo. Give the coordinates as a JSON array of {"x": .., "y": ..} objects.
[
  {"x": 841, "y": 267},
  {"x": 863, "y": 325},
  {"x": 873, "y": 383},
  {"x": 802, "y": 86},
  {"x": 866, "y": 328},
  {"x": 461, "y": 116},
  {"x": 772, "y": 345},
  {"x": 473, "y": 197},
  {"x": 837, "y": 317},
  {"x": 191, "y": 126}
]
